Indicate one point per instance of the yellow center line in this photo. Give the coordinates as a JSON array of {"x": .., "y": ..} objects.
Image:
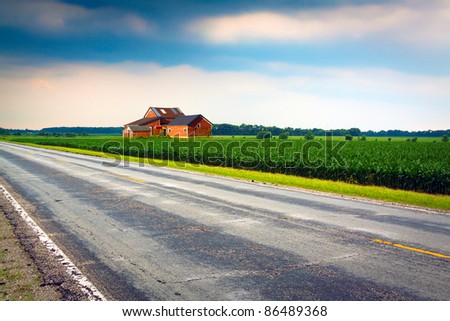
[
  {"x": 414, "y": 249},
  {"x": 133, "y": 179},
  {"x": 382, "y": 242}
]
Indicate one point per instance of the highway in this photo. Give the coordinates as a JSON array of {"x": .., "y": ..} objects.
[{"x": 154, "y": 233}]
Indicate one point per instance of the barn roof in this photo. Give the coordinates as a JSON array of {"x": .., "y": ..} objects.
[
  {"x": 184, "y": 120},
  {"x": 143, "y": 121},
  {"x": 136, "y": 128},
  {"x": 169, "y": 120}
]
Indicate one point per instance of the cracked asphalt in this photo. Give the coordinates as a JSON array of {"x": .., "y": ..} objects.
[{"x": 153, "y": 233}]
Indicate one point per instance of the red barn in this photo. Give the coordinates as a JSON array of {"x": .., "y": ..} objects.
[{"x": 168, "y": 122}]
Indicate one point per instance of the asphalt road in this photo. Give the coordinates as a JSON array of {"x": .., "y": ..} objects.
[{"x": 152, "y": 233}]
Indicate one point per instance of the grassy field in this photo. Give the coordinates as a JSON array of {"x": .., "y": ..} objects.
[{"x": 396, "y": 171}]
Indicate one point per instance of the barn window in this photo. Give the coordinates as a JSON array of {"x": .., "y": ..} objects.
[
  {"x": 198, "y": 125},
  {"x": 170, "y": 129},
  {"x": 184, "y": 130},
  {"x": 163, "y": 111}
]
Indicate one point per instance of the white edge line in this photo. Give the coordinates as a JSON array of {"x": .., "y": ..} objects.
[{"x": 86, "y": 286}]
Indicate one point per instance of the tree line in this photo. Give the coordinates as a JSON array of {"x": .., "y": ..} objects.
[
  {"x": 65, "y": 131},
  {"x": 234, "y": 130},
  {"x": 246, "y": 130}
]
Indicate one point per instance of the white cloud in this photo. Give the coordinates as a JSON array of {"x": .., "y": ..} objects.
[
  {"x": 50, "y": 16},
  {"x": 416, "y": 22},
  {"x": 375, "y": 83},
  {"x": 114, "y": 94}
]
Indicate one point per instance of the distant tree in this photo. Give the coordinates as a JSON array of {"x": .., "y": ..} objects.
[
  {"x": 263, "y": 134},
  {"x": 414, "y": 139},
  {"x": 284, "y": 135},
  {"x": 348, "y": 137},
  {"x": 408, "y": 139},
  {"x": 354, "y": 131},
  {"x": 389, "y": 139},
  {"x": 363, "y": 138},
  {"x": 445, "y": 138},
  {"x": 309, "y": 135}
]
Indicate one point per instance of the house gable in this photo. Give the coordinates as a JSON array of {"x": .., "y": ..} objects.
[
  {"x": 192, "y": 125},
  {"x": 163, "y": 112},
  {"x": 200, "y": 127}
]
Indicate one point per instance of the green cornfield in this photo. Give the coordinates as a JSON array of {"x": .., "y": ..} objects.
[{"x": 417, "y": 166}]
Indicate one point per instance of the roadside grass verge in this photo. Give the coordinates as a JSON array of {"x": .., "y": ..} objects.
[
  {"x": 20, "y": 279},
  {"x": 441, "y": 202}
]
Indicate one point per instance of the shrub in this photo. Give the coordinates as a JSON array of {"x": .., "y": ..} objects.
[
  {"x": 284, "y": 135},
  {"x": 263, "y": 134},
  {"x": 309, "y": 135},
  {"x": 348, "y": 137},
  {"x": 445, "y": 138}
]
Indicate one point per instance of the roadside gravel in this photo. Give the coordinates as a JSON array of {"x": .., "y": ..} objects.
[{"x": 28, "y": 271}]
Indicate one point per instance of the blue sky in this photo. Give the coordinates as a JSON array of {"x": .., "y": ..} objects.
[{"x": 327, "y": 64}]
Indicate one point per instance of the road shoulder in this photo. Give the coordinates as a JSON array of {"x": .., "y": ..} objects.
[{"x": 28, "y": 271}]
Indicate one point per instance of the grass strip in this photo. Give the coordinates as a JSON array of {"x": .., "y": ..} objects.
[{"x": 441, "y": 202}]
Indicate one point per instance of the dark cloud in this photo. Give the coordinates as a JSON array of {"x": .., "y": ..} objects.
[{"x": 59, "y": 18}]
